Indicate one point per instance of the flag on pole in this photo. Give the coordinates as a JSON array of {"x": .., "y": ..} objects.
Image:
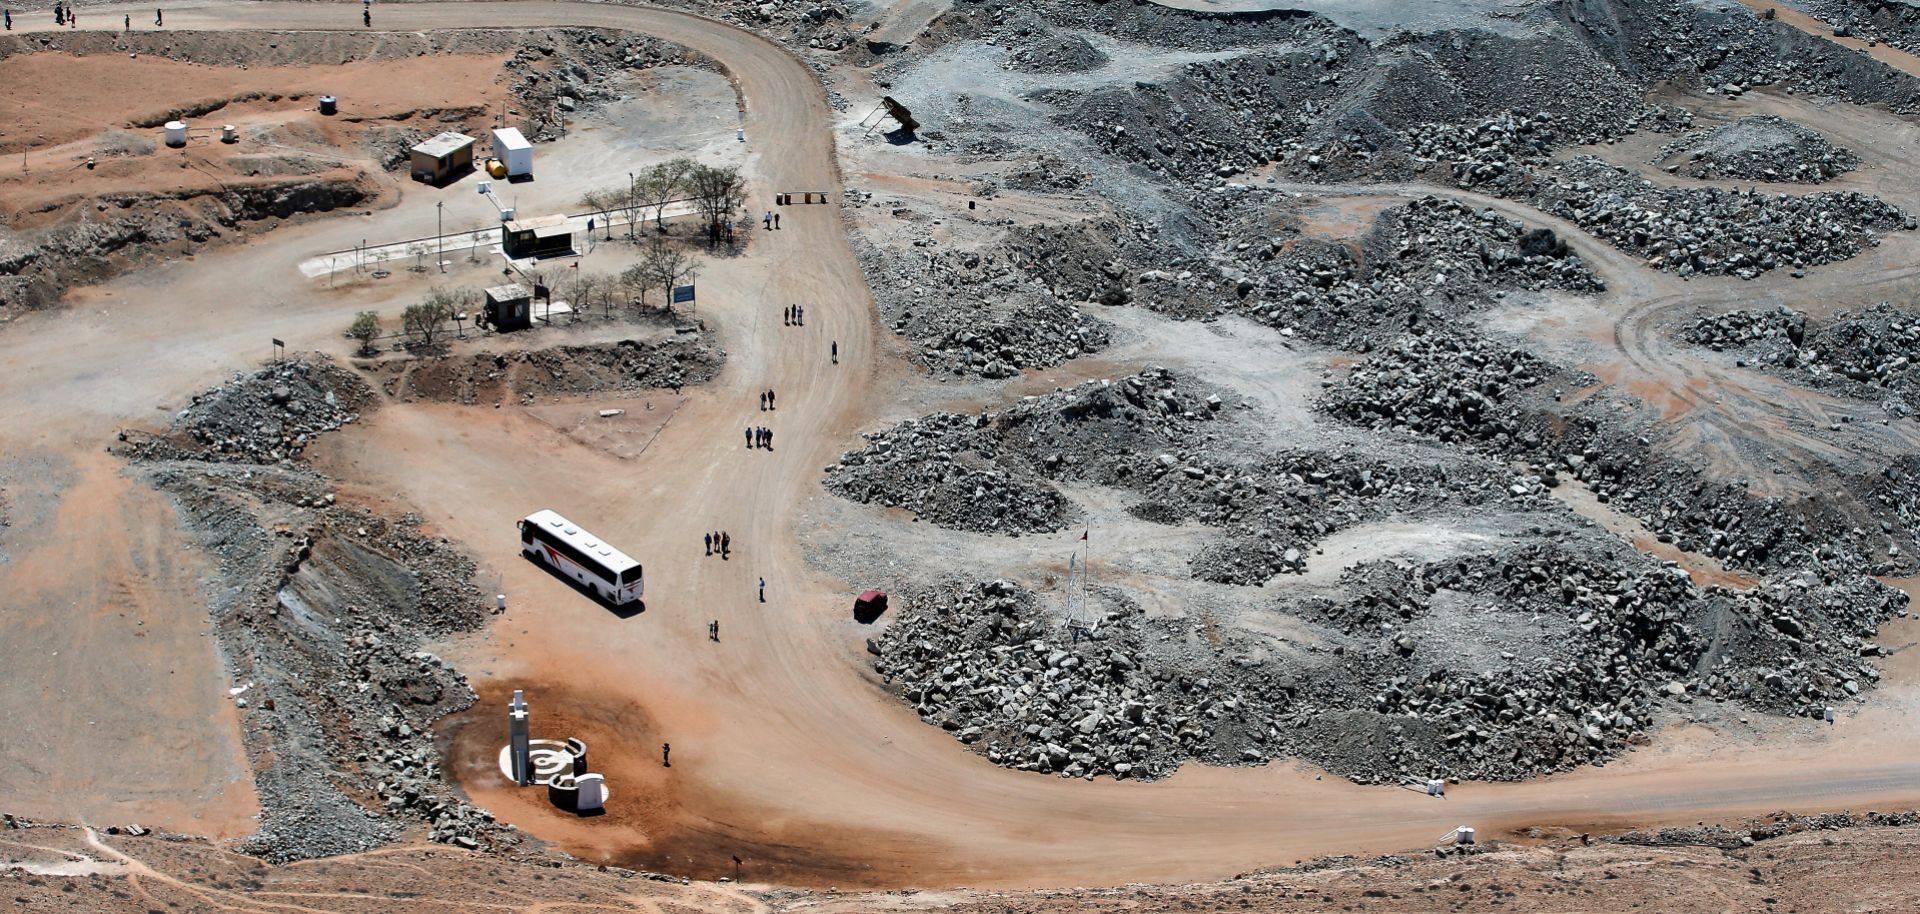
[{"x": 1083, "y": 533}]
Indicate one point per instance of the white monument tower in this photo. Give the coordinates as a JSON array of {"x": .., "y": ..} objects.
[{"x": 522, "y": 764}]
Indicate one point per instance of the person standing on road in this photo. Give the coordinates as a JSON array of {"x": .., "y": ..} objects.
[
  {"x": 366, "y": 17},
  {"x": 126, "y": 22},
  {"x": 776, "y": 220},
  {"x": 708, "y": 538},
  {"x": 726, "y": 543},
  {"x": 768, "y": 219},
  {"x": 769, "y": 439},
  {"x": 9, "y": 20},
  {"x": 713, "y": 630},
  {"x": 666, "y": 755},
  {"x": 836, "y": 352},
  {"x": 769, "y": 398},
  {"x": 763, "y": 590},
  {"x": 159, "y": 17},
  {"x": 749, "y": 434},
  {"x": 800, "y": 315}
]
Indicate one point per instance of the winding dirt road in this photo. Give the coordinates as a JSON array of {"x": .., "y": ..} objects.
[{"x": 786, "y": 753}]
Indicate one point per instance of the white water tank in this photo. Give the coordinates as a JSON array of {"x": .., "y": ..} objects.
[
  {"x": 176, "y": 134},
  {"x": 1463, "y": 835},
  {"x": 229, "y": 134}
]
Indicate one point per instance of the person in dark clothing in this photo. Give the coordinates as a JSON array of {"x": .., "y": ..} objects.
[
  {"x": 366, "y": 18},
  {"x": 763, "y": 402},
  {"x": 159, "y": 17},
  {"x": 713, "y": 630},
  {"x": 836, "y": 352},
  {"x": 726, "y": 543},
  {"x": 708, "y": 538},
  {"x": 769, "y": 439},
  {"x": 769, "y": 399},
  {"x": 763, "y": 590},
  {"x": 800, "y": 315},
  {"x": 666, "y": 755},
  {"x": 749, "y": 434}
]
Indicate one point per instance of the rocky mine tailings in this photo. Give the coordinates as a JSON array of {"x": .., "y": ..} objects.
[
  {"x": 1873, "y": 354},
  {"x": 1503, "y": 665}
]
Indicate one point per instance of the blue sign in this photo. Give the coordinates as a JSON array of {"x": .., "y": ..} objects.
[{"x": 682, "y": 294}]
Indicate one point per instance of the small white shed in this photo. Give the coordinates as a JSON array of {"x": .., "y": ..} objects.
[{"x": 513, "y": 151}]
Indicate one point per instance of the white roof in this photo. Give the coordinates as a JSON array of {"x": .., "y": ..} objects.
[
  {"x": 557, "y": 526},
  {"x": 510, "y": 138},
  {"x": 444, "y": 144}
]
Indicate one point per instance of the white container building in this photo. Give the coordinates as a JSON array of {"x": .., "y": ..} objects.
[{"x": 513, "y": 151}]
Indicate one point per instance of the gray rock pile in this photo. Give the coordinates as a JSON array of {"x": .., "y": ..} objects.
[
  {"x": 1759, "y": 148},
  {"x": 1432, "y": 256},
  {"x": 1033, "y": 46},
  {"x": 559, "y": 71},
  {"x": 322, "y": 618},
  {"x": 1499, "y": 666},
  {"x": 1710, "y": 230},
  {"x": 995, "y": 471},
  {"x": 1778, "y": 329},
  {"x": 1871, "y": 354},
  {"x": 1443, "y": 384},
  {"x": 945, "y": 472},
  {"x": 978, "y": 312},
  {"x": 269, "y": 415},
  {"x": 982, "y": 662}
]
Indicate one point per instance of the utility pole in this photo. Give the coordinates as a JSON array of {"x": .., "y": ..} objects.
[
  {"x": 630, "y": 208},
  {"x": 440, "y": 234}
]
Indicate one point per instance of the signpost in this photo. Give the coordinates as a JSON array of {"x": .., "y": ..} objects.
[
  {"x": 279, "y": 350},
  {"x": 682, "y": 294}
]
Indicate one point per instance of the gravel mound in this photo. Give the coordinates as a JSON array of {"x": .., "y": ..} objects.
[
  {"x": 1033, "y": 46},
  {"x": 262, "y": 417},
  {"x": 321, "y": 613},
  {"x": 1432, "y": 256},
  {"x": 1871, "y": 354},
  {"x": 1711, "y": 230},
  {"x": 1499, "y": 666},
  {"x": 1759, "y": 148},
  {"x": 980, "y": 313},
  {"x": 1443, "y": 384},
  {"x": 995, "y": 471}
]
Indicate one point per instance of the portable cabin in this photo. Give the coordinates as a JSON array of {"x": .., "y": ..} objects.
[{"x": 443, "y": 158}]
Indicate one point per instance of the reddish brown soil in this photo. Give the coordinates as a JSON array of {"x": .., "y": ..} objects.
[{"x": 103, "y": 105}]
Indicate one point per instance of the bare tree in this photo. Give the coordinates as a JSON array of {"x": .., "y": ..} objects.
[
  {"x": 660, "y": 185},
  {"x": 717, "y": 192},
  {"x": 634, "y": 281},
  {"x": 365, "y": 329},
  {"x": 425, "y": 320},
  {"x": 663, "y": 265},
  {"x": 602, "y": 202}
]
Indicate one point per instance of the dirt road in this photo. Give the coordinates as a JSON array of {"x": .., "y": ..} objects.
[{"x": 786, "y": 752}]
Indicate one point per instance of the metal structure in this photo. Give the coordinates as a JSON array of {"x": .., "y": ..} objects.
[
  {"x": 1082, "y": 620},
  {"x": 521, "y": 752},
  {"x": 890, "y": 108}
]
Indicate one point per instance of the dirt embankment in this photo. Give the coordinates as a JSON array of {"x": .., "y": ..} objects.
[
  {"x": 1779, "y": 863},
  {"x": 662, "y": 362}
]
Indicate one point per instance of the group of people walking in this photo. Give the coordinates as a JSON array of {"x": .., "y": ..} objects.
[
  {"x": 63, "y": 15},
  {"x": 794, "y": 316},
  {"x": 759, "y": 436},
  {"x": 719, "y": 543},
  {"x": 766, "y": 400}
]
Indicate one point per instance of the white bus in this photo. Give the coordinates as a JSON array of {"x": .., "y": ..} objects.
[{"x": 581, "y": 556}]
